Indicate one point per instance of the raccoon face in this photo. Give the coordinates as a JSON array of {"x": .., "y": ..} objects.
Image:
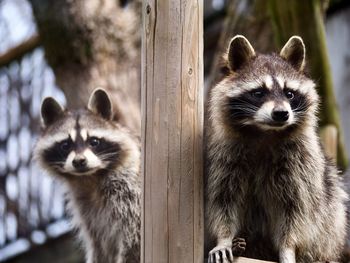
[
  {"x": 270, "y": 106},
  {"x": 267, "y": 92},
  {"x": 81, "y": 142},
  {"x": 79, "y": 148}
]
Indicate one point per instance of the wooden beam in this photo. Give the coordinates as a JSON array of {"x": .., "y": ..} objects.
[
  {"x": 249, "y": 260},
  {"x": 19, "y": 51},
  {"x": 246, "y": 260},
  {"x": 172, "y": 131}
]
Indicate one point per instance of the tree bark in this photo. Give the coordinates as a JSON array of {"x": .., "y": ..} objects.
[{"x": 94, "y": 43}]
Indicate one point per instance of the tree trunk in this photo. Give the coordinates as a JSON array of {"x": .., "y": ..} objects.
[{"x": 94, "y": 43}]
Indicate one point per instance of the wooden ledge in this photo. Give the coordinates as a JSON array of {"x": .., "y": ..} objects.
[
  {"x": 249, "y": 260},
  {"x": 19, "y": 51},
  {"x": 245, "y": 260}
]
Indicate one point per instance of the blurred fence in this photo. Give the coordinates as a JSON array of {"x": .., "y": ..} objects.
[{"x": 31, "y": 203}]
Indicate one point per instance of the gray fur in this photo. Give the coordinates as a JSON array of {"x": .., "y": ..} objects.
[
  {"x": 105, "y": 201},
  {"x": 273, "y": 187}
]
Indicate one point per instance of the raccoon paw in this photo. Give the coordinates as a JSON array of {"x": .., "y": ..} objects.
[
  {"x": 220, "y": 254},
  {"x": 238, "y": 246}
]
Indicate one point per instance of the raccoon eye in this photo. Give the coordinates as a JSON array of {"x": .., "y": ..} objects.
[
  {"x": 289, "y": 94},
  {"x": 66, "y": 146},
  {"x": 258, "y": 94},
  {"x": 94, "y": 142}
]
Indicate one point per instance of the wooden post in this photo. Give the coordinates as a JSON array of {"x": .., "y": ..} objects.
[{"x": 172, "y": 131}]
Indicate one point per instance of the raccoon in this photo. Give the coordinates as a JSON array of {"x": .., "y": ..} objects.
[
  {"x": 99, "y": 162},
  {"x": 272, "y": 193}
]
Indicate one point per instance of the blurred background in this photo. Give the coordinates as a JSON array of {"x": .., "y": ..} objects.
[{"x": 66, "y": 48}]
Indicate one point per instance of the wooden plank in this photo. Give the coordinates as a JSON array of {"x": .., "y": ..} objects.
[
  {"x": 248, "y": 260},
  {"x": 245, "y": 260},
  {"x": 172, "y": 131},
  {"x": 19, "y": 51}
]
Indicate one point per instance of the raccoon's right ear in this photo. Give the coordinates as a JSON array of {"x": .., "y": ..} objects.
[
  {"x": 294, "y": 52},
  {"x": 101, "y": 104},
  {"x": 51, "y": 111},
  {"x": 239, "y": 52}
]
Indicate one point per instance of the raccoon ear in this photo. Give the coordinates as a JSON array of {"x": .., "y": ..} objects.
[
  {"x": 239, "y": 52},
  {"x": 100, "y": 104},
  {"x": 51, "y": 111},
  {"x": 294, "y": 52}
]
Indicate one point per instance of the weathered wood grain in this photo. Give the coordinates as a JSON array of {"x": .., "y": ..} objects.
[
  {"x": 172, "y": 131},
  {"x": 249, "y": 260}
]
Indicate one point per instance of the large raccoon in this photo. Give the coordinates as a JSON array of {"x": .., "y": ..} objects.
[
  {"x": 99, "y": 161},
  {"x": 269, "y": 183}
]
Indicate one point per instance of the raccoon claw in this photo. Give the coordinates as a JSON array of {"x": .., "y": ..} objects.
[
  {"x": 220, "y": 254},
  {"x": 238, "y": 246}
]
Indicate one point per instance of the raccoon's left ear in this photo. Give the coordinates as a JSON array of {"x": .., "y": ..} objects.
[
  {"x": 51, "y": 111},
  {"x": 239, "y": 52},
  {"x": 100, "y": 104},
  {"x": 294, "y": 52}
]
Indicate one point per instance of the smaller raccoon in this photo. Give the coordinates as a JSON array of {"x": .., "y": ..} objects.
[
  {"x": 272, "y": 193},
  {"x": 99, "y": 162}
]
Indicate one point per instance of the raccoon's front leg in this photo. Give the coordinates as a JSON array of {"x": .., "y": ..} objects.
[
  {"x": 222, "y": 252},
  {"x": 226, "y": 192},
  {"x": 224, "y": 226},
  {"x": 287, "y": 255},
  {"x": 238, "y": 246},
  {"x": 120, "y": 251},
  {"x": 283, "y": 240}
]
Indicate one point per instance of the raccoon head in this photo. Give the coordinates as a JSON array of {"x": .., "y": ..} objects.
[
  {"x": 266, "y": 93},
  {"x": 83, "y": 142}
]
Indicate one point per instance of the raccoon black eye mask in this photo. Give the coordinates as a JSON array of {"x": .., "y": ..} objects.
[{"x": 247, "y": 104}]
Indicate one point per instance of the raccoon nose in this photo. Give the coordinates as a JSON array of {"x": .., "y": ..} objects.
[
  {"x": 79, "y": 162},
  {"x": 280, "y": 115}
]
